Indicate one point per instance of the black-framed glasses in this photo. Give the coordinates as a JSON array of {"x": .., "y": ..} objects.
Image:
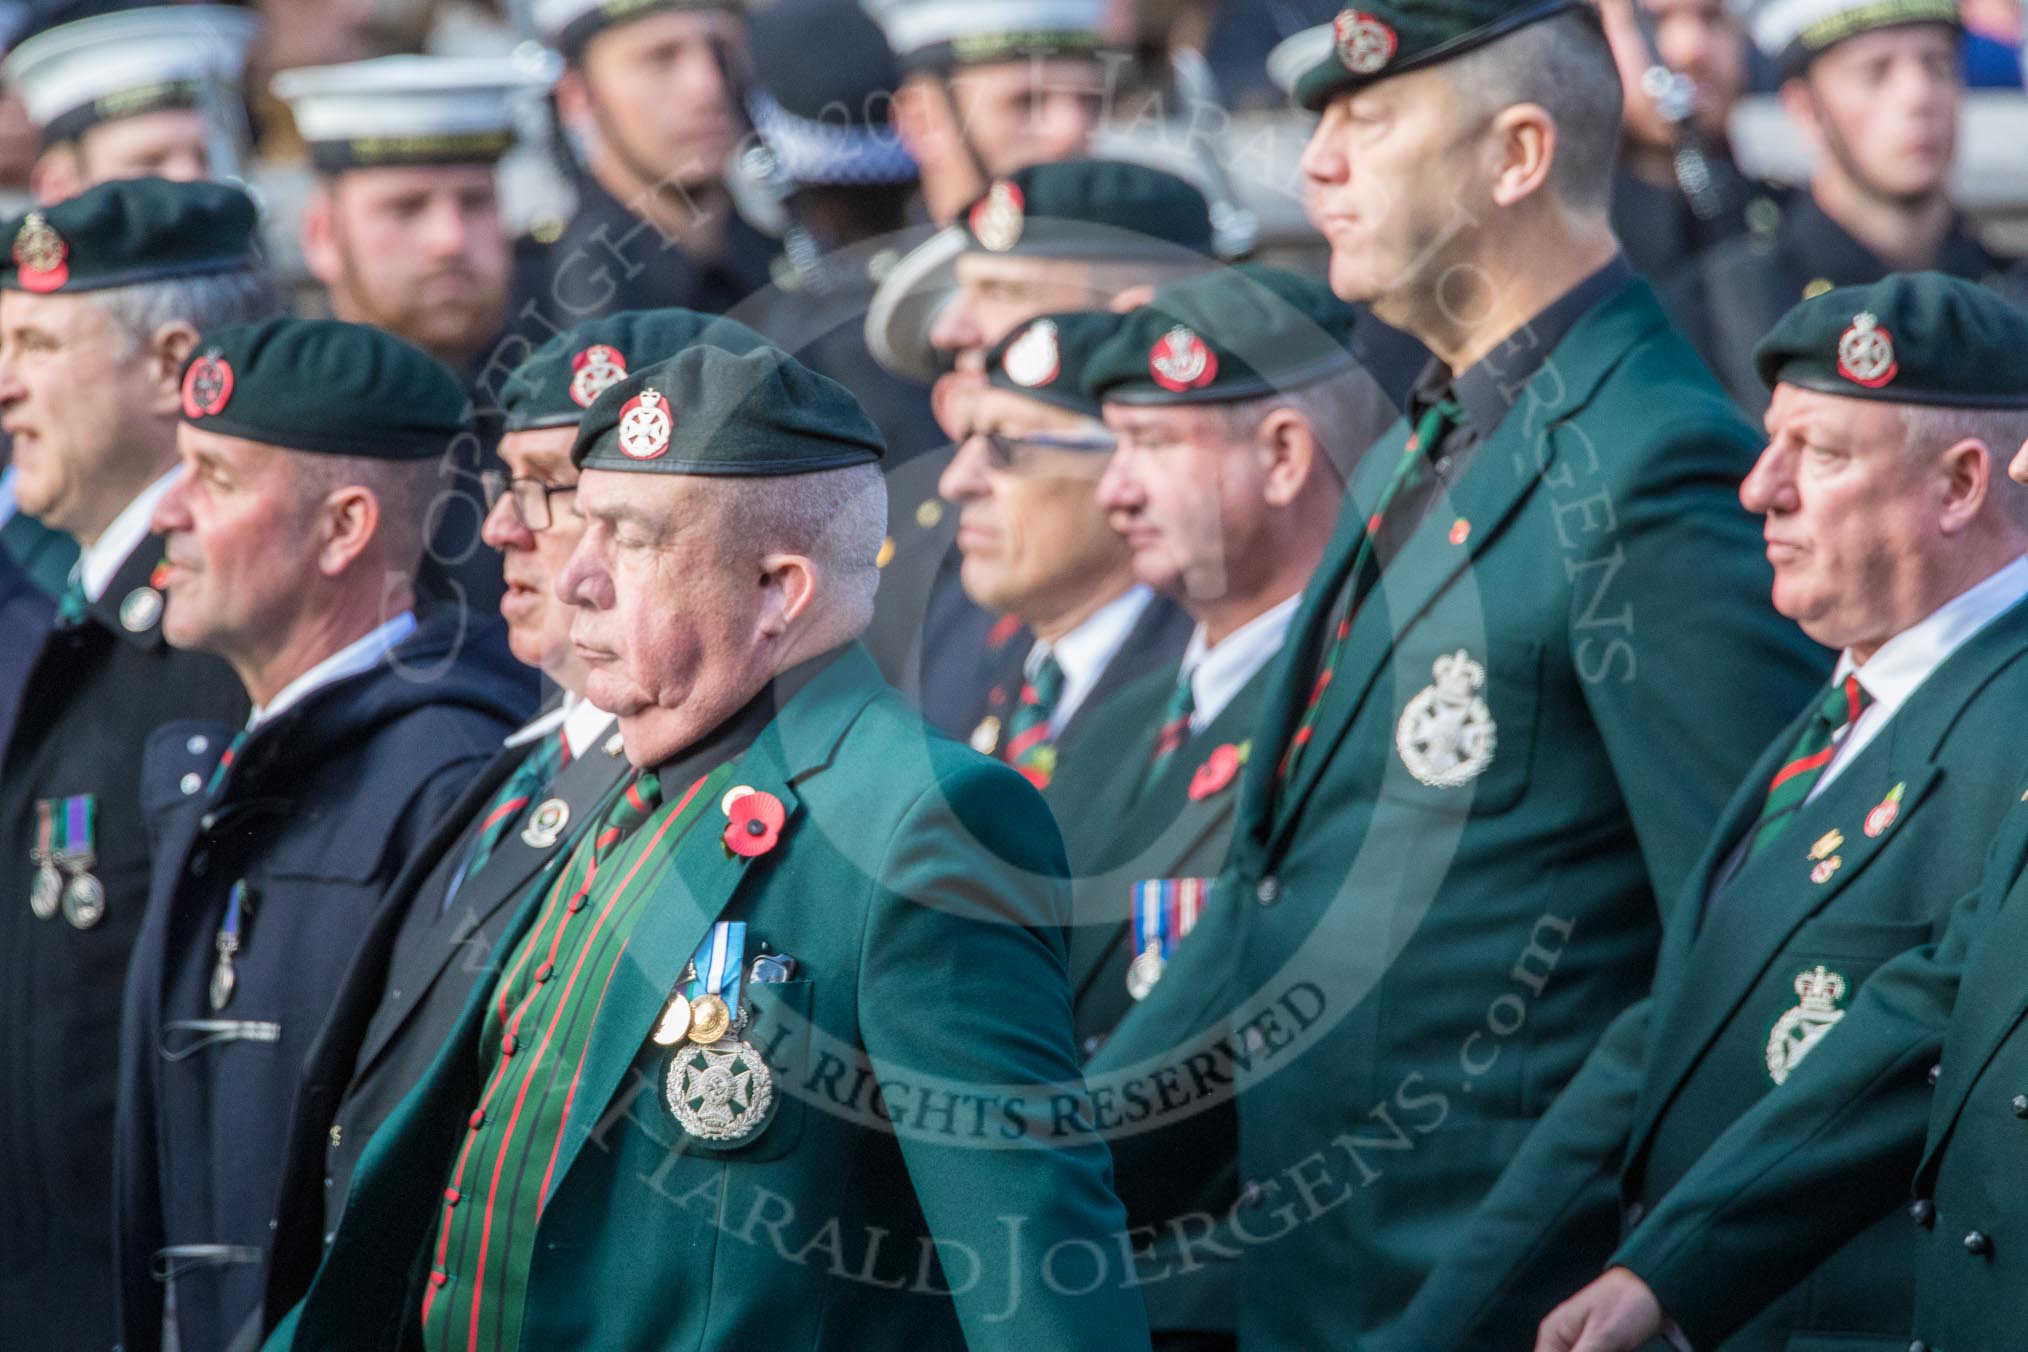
[
  {"x": 531, "y": 497},
  {"x": 1016, "y": 453}
]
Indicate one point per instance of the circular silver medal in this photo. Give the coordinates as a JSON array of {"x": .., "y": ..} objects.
[
  {"x": 84, "y": 901},
  {"x": 720, "y": 1093},
  {"x": 46, "y": 896},
  {"x": 141, "y": 609},
  {"x": 545, "y": 824},
  {"x": 1143, "y": 972}
]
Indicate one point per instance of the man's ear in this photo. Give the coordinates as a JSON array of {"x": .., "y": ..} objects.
[
  {"x": 788, "y": 586},
  {"x": 1290, "y": 456},
  {"x": 1968, "y": 471},
  {"x": 318, "y": 226},
  {"x": 169, "y": 347},
  {"x": 1799, "y": 105},
  {"x": 573, "y": 99},
  {"x": 345, "y": 523},
  {"x": 1528, "y": 146}
]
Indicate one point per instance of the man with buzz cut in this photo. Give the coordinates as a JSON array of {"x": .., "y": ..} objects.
[
  {"x": 516, "y": 822},
  {"x": 699, "y": 1104},
  {"x": 290, "y": 541},
  {"x": 1897, "y": 539},
  {"x": 101, "y": 303},
  {"x": 1503, "y": 720}
]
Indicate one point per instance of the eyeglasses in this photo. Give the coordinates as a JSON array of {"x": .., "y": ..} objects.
[
  {"x": 1017, "y": 453},
  {"x": 531, "y": 497}
]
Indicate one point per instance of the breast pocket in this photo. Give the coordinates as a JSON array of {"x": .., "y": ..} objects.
[
  {"x": 1814, "y": 978},
  {"x": 744, "y": 1103},
  {"x": 1464, "y": 725}
]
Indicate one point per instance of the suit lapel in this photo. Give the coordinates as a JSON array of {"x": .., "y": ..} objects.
[
  {"x": 1771, "y": 897},
  {"x": 702, "y": 880},
  {"x": 1992, "y": 978}
]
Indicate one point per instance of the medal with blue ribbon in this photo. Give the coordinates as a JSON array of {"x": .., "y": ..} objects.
[
  {"x": 714, "y": 987},
  {"x": 717, "y": 1087},
  {"x": 224, "y": 978},
  {"x": 1165, "y": 909}
]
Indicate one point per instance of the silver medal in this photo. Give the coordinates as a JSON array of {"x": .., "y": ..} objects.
[
  {"x": 720, "y": 1093},
  {"x": 1143, "y": 972},
  {"x": 46, "y": 896},
  {"x": 545, "y": 824},
  {"x": 84, "y": 900}
]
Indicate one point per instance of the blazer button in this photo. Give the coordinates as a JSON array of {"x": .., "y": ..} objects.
[
  {"x": 1251, "y": 1196},
  {"x": 337, "y": 1134},
  {"x": 1269, "y": 891},
  {"x": 2020, "y": 1105},
  {"x": 1918, "y": 1346},
  {"x": 1635, "y": 1214},
  {"x": 1923, "y": 1212},
  {"x": 1977, "y": 1244},
  {"x": 1092, "y": 1044},
  {"x": 1936, "y": 1072}
]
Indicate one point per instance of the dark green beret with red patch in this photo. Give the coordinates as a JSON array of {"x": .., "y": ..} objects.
[
  {"x": 1910, "y": 338},
  {"x": 563, "y": 377},
  {"x": 1375, "y": 39},
  {"x": 131, "y": 231}
]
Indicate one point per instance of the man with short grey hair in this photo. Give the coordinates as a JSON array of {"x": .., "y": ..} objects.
[
  {"x": 800, "y": 886},
  {"x": 98, "y": 309}
]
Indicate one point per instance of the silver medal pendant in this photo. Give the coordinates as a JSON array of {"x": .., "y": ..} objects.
[
  {"x": 224, "y": 980},
  {"x": 84, "y": 901},
  {"x": 545, "y": 824},
  {"x": 1143, "y": 972},
  {"x": 45, "y": 896},
  {"x": 720, "y": 1093}
]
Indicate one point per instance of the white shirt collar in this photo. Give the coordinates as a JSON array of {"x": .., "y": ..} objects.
[
  {"x": 1086, "y": 651},
  {"x": 360, "y": 655},
  {"x": 1218, "y": 673},
  {"x": 584, "y": 724},
  {"x": 98, "y": 564},
  {"x": 1900, "y": 665}
]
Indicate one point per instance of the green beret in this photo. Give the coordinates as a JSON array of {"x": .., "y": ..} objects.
[
  {"x": 324, "y": 386},
  {"x": 1046, "y": 357},
  {"x": 1386, "y": 37},
  {"x": 130, "y": 231},
  {"x": 712, "y": 411},
  {"x": 1237, "y": 333},
  {"x": 1089, "y": 209},
  {"x": 1910, "y": 338},
  {"x": 561, "y": 378},
  {"x": 1792, "y": 33}
]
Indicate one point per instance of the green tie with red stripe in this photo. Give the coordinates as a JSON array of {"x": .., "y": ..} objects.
[
  {"x": 1029, "y": 747},
  {"x": 1410, "y": 472},
  {"x": 1175, "y": 731},
  {"x": 510, "y": 804},
  {"x": 1791, "y": 786}
]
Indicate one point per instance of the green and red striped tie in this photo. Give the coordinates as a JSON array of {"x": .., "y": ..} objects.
[
  {"x": 1790, "y": 788},
  {"x": 1409, "y": 473},
  {"x": 537, "y": 769},
  {"x": 1029, "y": 747},
  {"x": 1175, "y": 731}
]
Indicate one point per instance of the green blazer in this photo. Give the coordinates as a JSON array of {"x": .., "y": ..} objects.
[
  {"x": 1678, "y": 1069},
  {"x": 924, "y": 1179},
  {"x": 1398, "y": 976}
]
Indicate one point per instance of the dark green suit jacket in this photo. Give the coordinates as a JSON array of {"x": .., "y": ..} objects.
[
  {"x": 1678, "y": 1069},
  {"x": 919, "y": 887},
  {"x": 46, "y": 555},
  {"x": 1399, "y": 971}
]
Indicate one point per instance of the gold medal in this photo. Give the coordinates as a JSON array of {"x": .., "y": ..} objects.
[
  {"x": 1144, "y": 971},
  {"x": 674, "y": 1025},
  {"x": 710, "y": 1020},
  {"x": 84, "y": 901},
  {"x": 47, "y": 894}
]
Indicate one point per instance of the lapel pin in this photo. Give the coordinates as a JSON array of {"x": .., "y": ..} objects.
[
  {"x": 1461, "y": 531},
  {"x": 1827, "y": 844},
  {"x": 1825, "y": 868},
  {"x": 1884, "y": 812}
]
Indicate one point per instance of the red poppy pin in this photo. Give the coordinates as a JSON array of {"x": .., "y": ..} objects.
[
  {"x": 754, "y": 824},
  {"x": 1218, "y": 770}
]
